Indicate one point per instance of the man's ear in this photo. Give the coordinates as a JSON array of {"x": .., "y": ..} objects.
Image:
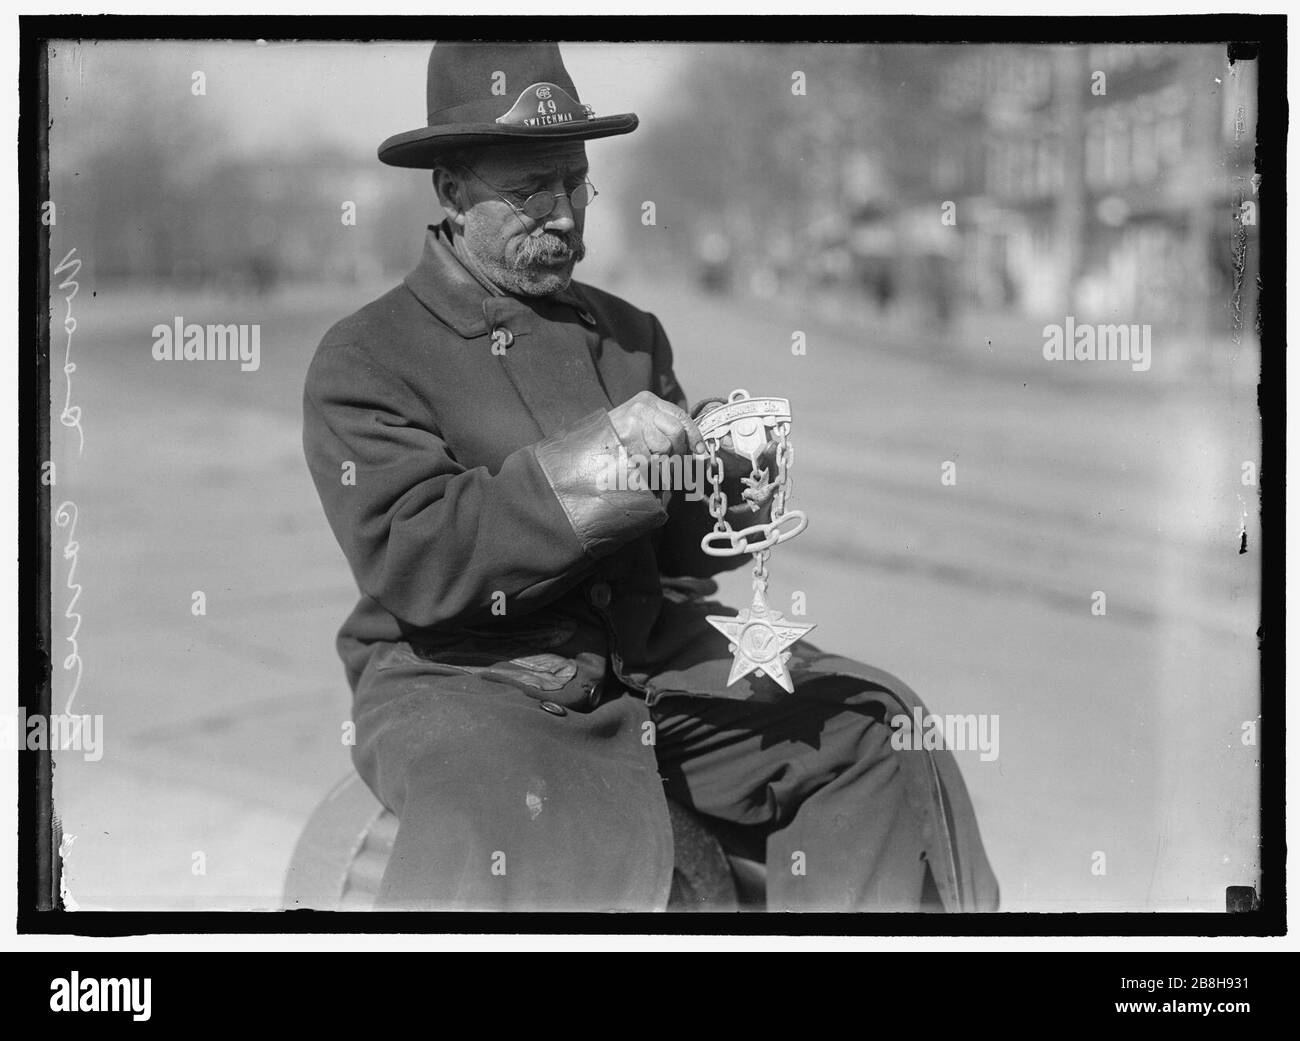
[{"x": 450, "y": 190}]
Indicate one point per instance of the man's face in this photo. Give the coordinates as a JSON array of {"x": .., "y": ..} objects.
[{"x": 520, "y": 254}]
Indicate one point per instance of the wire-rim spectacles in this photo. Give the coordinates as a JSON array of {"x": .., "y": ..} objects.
[{"x": 541, "y": 205}]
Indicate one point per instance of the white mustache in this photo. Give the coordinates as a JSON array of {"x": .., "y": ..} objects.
[{"x": 550, "y": 247}]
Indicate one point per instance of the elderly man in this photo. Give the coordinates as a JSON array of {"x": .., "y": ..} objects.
[{"x": 532, "y": 667}]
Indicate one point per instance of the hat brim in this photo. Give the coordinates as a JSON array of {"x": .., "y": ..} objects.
[{"x": 420, "y": 149}]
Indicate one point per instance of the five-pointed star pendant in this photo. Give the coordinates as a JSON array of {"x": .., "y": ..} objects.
[{"x": 759, "y": 637}]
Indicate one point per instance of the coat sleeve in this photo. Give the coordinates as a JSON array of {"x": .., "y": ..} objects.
[
  {"x": 434, "y": 542},
  {"x": 678, "y": 546}
]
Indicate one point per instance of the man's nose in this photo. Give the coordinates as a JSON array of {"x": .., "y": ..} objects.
[{"x": 562, "y": 217}]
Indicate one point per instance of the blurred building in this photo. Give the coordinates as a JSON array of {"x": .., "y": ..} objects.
[
  {"x": 1105, "y": 180},
  {"x": 930, "y": 181}
]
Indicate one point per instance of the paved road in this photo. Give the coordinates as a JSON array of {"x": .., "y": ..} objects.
[{"x": 1119, "y": 735}]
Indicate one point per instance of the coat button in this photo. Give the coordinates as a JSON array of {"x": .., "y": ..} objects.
[
  {"x": 553, "y": 708},
  {"x": 599, "y": 594},
  {"x": 587, "y": 317},
  {"x": 502, "y": 337}
]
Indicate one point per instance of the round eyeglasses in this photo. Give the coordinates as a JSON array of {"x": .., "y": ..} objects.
[{"x": 541, "y": 205}]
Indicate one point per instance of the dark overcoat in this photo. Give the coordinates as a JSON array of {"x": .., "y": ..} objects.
[{"x": 458, "y": 475}]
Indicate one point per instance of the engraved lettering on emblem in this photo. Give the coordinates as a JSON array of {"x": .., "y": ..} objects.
[
  {"x": 759, "y": 642},
  {"x": 553, "y": 104}
]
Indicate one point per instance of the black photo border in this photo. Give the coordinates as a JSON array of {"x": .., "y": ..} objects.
[{"x": 1260, "y": 38}]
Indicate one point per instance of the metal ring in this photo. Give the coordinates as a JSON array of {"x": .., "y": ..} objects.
[
  {"x": 776, "y": 533},
  {"x": 708, "y": 543},
  {"x": 738, "y": 541}
]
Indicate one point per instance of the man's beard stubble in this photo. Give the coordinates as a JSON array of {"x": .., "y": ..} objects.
[{"x": 542, "y": 264}]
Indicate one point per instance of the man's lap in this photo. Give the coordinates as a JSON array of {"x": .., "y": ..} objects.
[
  {"x": 722, "y": 756},
  {"x": 811, "y": 776}
]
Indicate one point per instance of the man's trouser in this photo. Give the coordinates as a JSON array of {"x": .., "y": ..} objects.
[{"x": 816, "y": 789}]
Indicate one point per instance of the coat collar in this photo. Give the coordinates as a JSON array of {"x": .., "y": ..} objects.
[
  {"x": 555, "y": 375},
  {"x": 454, "y": 296}
]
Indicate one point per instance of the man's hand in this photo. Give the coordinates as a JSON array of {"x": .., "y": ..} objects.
[{"x": 650, "y": 426}]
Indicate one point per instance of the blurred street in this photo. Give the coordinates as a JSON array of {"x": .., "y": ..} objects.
[{"x": 1119, "y": 734}]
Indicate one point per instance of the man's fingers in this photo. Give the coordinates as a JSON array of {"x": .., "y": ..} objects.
[
  {"x": 660, "y": 433},
  {"x": 692, "y": 439},
  {"x": 678, "y": 425},
  {"x": 693, "y": 436},
  {"x": 661, "y": 426}
]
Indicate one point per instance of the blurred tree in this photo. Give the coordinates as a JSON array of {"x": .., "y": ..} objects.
[
  {"x": 148, "y": 188},
  {"x": 782, "y": 165},
  {"x": 129, "y": 144}
]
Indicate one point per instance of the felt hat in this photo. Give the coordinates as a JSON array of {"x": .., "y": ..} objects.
[{"x": 495, "y": 94}]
